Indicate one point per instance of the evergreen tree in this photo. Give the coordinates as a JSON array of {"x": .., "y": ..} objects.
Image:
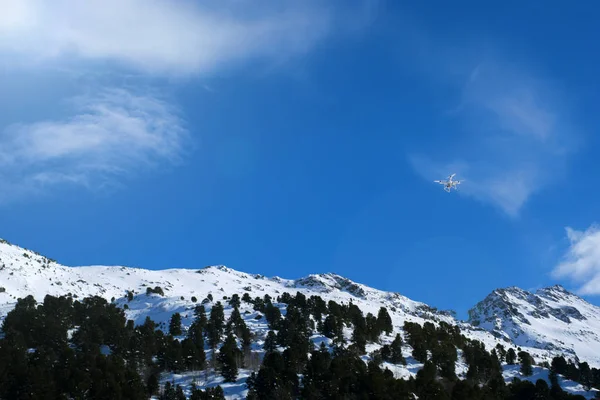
[
  {"x": 175, "y": 324},
  {"x": 526, "y": 362},
  {"x": 372, "y": 328},
  {"x": 196, "y": 334},
  {"x": 316, "y": 373},
  {"x": 273, "y": 380},
  {"x": 246, "y": 298},
  {"x": 272, "y": 314},
  {"x": 585, "y": 375},
  {"x": 193, "y": 356},
  {"x": 229, "y": 358},
  {"x": 152, "y": 385},
  {"x": 396, "y": 356},
  {"x": 270, "y": 342},
  {"x": 215, "y": 325},
  {"x": 359, "y": 336},
  {"x": 511, "y": 356},
  {"x": 168, "y": 392},
  {"x": 235, "y": 301},
  {"x": 331, "y": 327},
  {"x": 259, "y": 305},
  {"x": 501, "y": 351},
  {"x": 200, "y": 315},
  {"x": 179, "y": 395},
  {"x": 559, "y": 365},
  {"x": 217, "y": 316},
  {"x": 384, "y": 321}
]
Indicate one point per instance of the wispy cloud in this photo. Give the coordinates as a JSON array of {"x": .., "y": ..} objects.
[
  {"x": 165, "y": 37},
  {"x": 118, "y": 132},
  {"x": 515, "y": 137},
  {"x": 113, "y": 133},
  {"x": 581, "y": 263}
]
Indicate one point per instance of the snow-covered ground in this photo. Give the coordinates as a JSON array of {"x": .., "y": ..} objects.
[{"x": 552, "y": 316}]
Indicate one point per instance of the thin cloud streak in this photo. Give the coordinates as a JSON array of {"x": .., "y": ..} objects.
[
  {"x": 116, "y": 133},
  {"x": 517, "y": 137},
  {"x": 113, "y": 134}
]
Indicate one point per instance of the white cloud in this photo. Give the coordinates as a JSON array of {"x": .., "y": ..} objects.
[
  {"x": 516, "y": 137},
  {"x": 162, "y": 36},
  {"x": 581, "y": 262},
  {"x": 101, "y": 42},
  {"x": 113, "y": 133}
]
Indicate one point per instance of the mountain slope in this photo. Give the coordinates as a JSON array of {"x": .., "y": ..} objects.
[
  {"x": 24, "y": 272},
  {"x": 551, "y": 318}
]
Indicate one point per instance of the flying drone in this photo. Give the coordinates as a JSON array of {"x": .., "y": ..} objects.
[{"x": 449, "y": 183}]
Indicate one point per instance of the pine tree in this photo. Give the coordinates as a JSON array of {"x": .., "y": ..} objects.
[
  {"x": 152, "y": 384},
  {"x": 175, "y": 325},
  {"x": 384, "y": 321},
  {"x": 229, "y": 358},
  {"x": 235, "y": 301},
  {"x": 511, "y": 356},
  {"x": 396, "y": 356},
  {"x": 359, "y": 337},
  {"x": 196, "y": 334},
  {"x": 168, "y": 392},
  {"x": 501, "y": 352},
  {"x": 559, "y": 365},
  {"x": 235, "y": 323},
  {"x": 372, "y": 328},
  {"x": 526, "y": 363},
  {"x": 270, "y": 342},
  {"x": 179, "y": 395},
  {"x": 585, "y": 375},
  {"x": 193, "y": 356},
  {"x": 259, "y": 305},
  {"x": 217, "y": 317},
  {"x": 200, "y": 315},
  {"x": 246, "y": 298},
  {"x": 214, "y": 328},
  {"x": 419, "y": 351},
  {"x": 316, "y": 373},
  {"x": 330, "y": 326},
  {"x": 272, "y": 314}
]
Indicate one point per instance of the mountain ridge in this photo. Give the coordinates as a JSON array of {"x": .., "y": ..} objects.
[{"x": 504, "y": 316}]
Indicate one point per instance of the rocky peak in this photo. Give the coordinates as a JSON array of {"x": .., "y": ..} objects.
[
  {"x": 521, "y": 305},
  {"x": 329, "y": 282}
]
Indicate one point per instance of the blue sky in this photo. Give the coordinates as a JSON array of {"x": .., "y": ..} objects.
[{"x": 288, "y": 138}]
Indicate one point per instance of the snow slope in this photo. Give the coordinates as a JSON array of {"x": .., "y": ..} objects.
[
  {"x": 551, "y": 318},
  {"x": 24, "y": 272}
]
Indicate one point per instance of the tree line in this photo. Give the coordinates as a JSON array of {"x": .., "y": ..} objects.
[{"x": 87, "y": 349}]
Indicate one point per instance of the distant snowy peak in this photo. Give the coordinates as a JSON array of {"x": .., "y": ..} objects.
[
  {"x": 552, "y": 318},
  {"x": 521, "y": 305}
]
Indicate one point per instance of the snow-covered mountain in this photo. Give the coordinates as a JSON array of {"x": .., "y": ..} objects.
[
  {"x": 552, "y": 318},
  {"x": 550, "y": 322},
  {"x": 24, "y": 272}
]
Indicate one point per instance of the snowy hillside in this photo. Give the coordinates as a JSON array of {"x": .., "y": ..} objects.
[
  {"x": 507, "y": 316},
  {"x": 24, "y": 272},
  {"x": 551, "y": 318}
]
